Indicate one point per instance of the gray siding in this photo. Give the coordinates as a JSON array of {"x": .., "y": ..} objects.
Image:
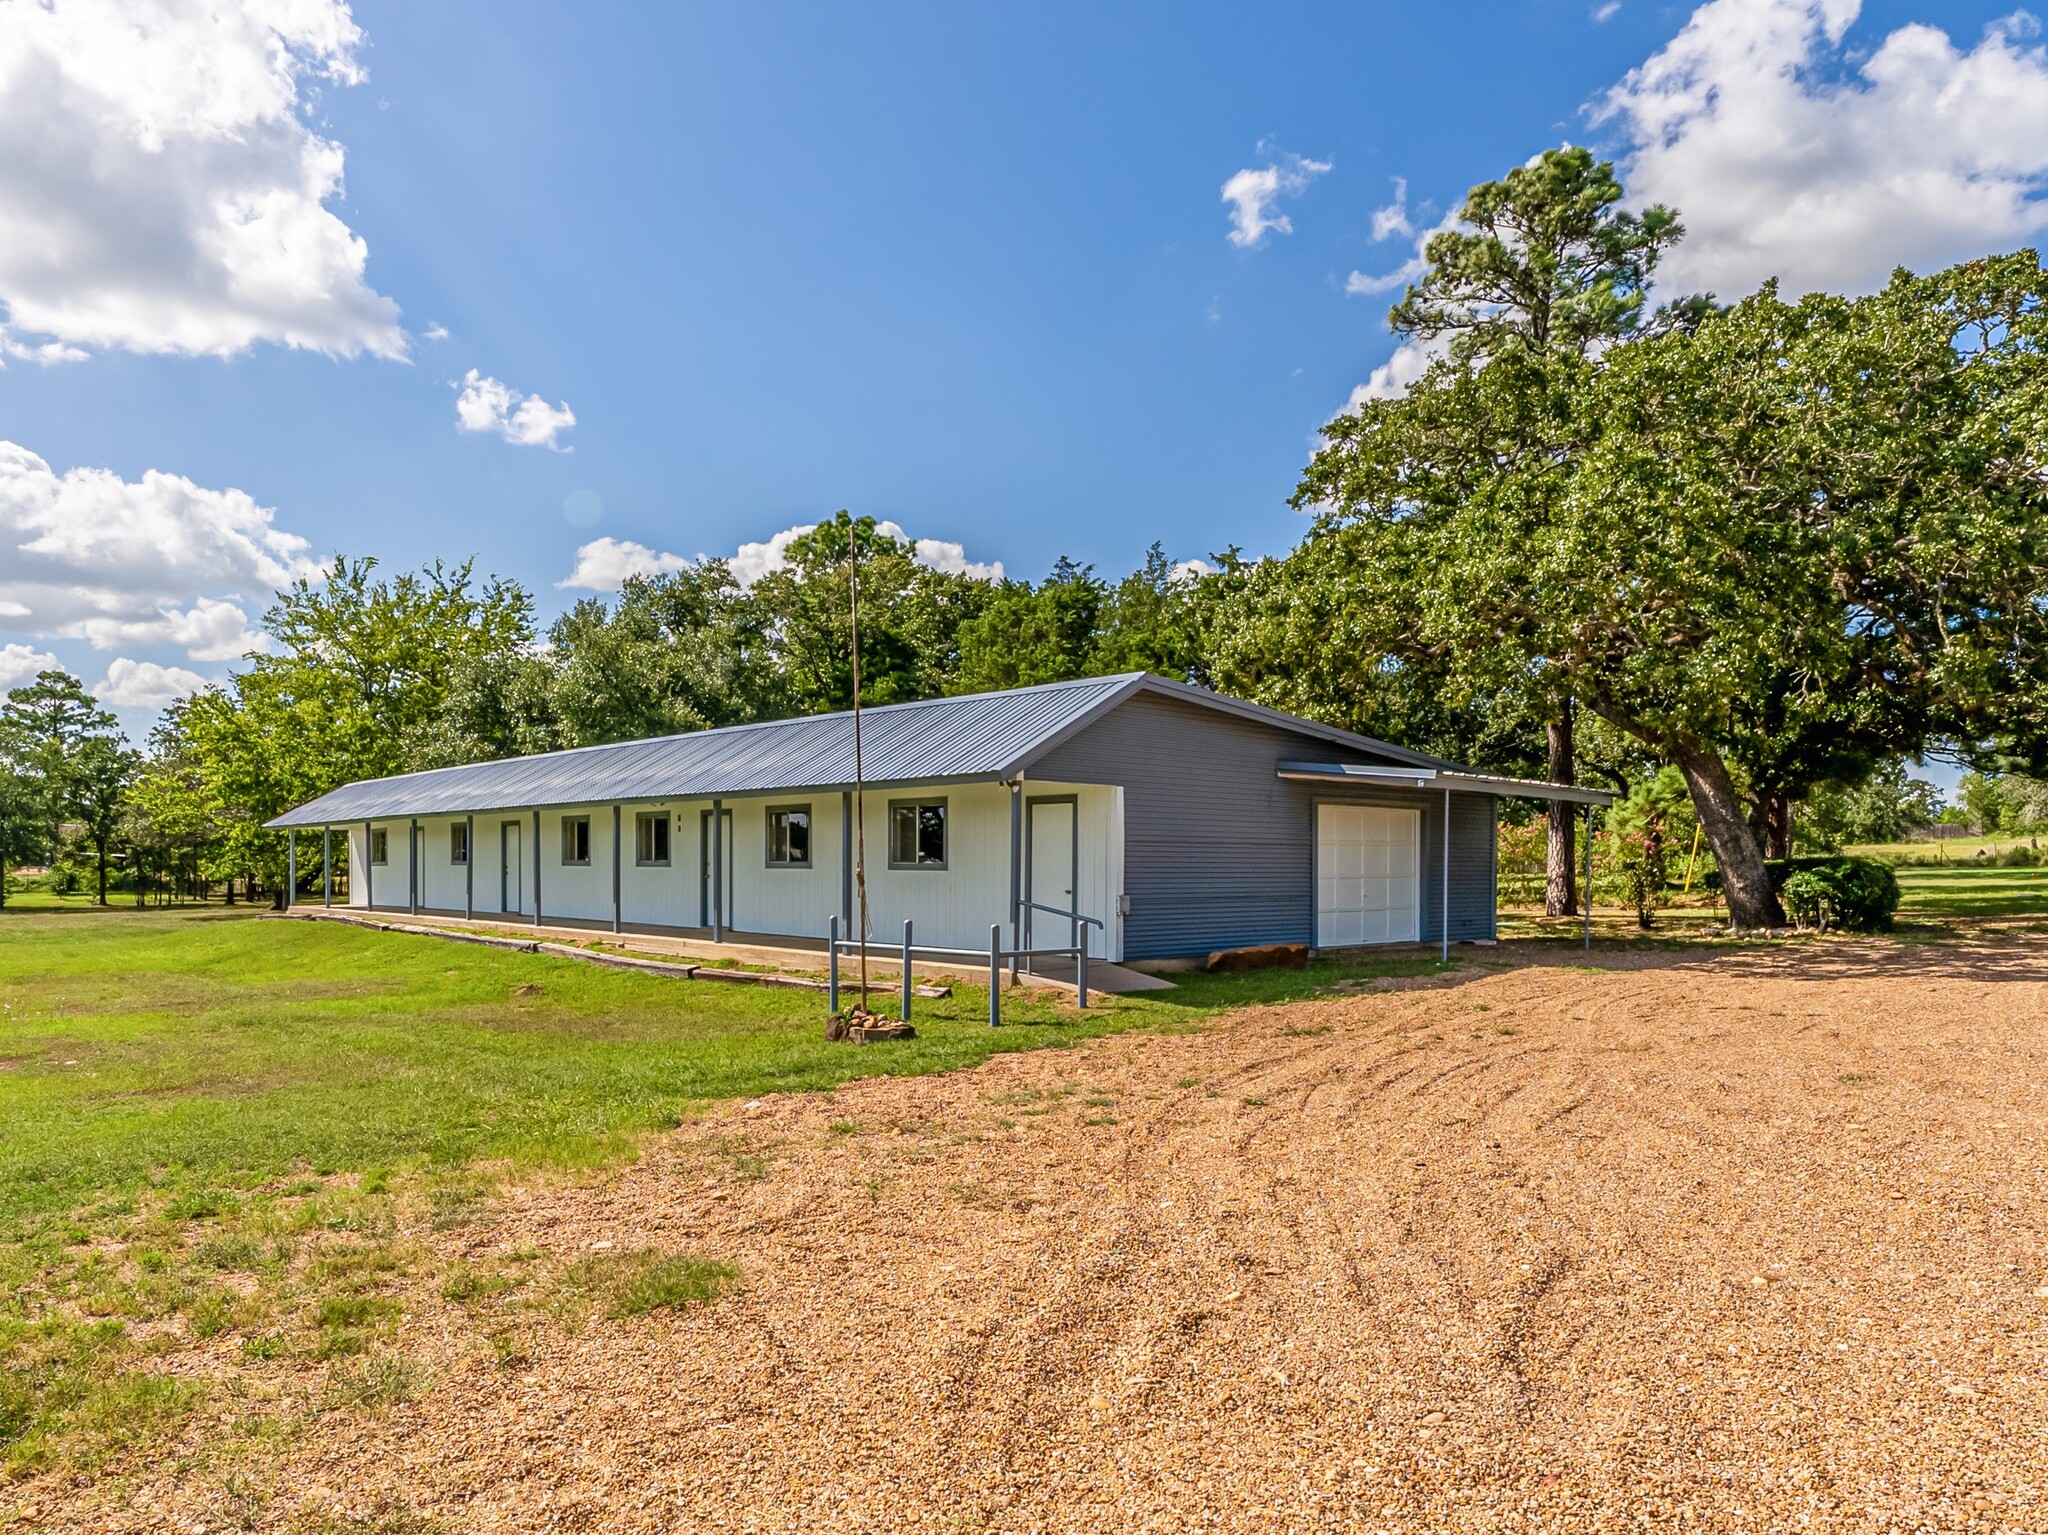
[{"x": 1219, "y": 851}]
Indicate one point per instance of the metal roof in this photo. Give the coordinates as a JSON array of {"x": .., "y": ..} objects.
[{"x": 982, "y": 736}]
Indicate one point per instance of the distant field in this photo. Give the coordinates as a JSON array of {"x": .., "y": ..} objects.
[
  {"x": 1962, "y": 891},
  {"x": 1944, "y": 853}
]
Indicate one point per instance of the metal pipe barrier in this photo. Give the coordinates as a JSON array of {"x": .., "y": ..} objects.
[{"x": 996, "y": 955}]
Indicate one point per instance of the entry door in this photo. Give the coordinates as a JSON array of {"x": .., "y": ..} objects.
[
  {"x": 1368, "y": 868},
  {"x": 704, "y": 866},
  {"x": 511, "y": 872},
  {"x": 1049, "y": 855}
]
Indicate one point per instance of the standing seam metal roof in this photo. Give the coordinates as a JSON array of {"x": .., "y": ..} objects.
[{"x": 979, "y": 736}]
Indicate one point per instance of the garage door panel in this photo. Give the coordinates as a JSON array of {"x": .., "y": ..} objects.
[{"x": 1366, "y": 888}]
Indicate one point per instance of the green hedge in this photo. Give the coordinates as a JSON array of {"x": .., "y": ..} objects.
[{"x": 1859, "y": 894}]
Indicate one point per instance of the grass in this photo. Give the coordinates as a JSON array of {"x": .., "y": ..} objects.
[
  {"x": 634, "y": 1283},
  {"x": 1968, "y": 891},
  {"x": 241, "y": 1134}
]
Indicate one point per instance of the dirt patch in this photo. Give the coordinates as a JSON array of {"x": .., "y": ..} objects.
[{"x": 1680, "y": 1240}]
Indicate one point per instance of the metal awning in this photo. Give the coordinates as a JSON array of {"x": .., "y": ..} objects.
[{"x": 1442, "y": 779}]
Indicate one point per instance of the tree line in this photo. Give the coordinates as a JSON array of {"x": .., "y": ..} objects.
[{"x": 1727, "y": 558}]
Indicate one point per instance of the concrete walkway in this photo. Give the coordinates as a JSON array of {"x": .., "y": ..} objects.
[{"x": 809, "y": 962}]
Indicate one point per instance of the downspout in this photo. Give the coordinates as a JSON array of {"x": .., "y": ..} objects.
[
  {"x": 369, "y": 863},
  {"x": 468, "y": 866},
  {"x": 618, "y": 899},
  {"x": 536, "y": 868},
  {"x": 412, "y": 865}
]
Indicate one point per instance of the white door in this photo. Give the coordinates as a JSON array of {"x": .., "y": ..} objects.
[
  {"x": 511, "y": 876},
  {"x": 1368, "y": 875},
  {"x": 1049, "y": 870}
]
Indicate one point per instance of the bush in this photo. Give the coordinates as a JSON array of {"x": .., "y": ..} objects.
[{"x": 1859, "y": 894}]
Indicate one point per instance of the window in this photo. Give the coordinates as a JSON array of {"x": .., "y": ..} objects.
[
  {"x": 917, "y": 834},
  {"x": 380, "y": 846},
  {"x": 789, "y": 836},
  {"x": 575, "y": 839},
  {"x": 458, "y": 842},
  {"x": 650, "y": 837}
]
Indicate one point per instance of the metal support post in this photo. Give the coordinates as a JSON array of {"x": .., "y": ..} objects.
[
  {"x": 369, "y": 861},
  {"x": 536, "y": 868},
  {"x": 1586, "y": 884},
  {"x": 291, "y": 866},
  {"x": 846, "y": 858},
  {"x": 718, "y": 871},
  {"x": 618, "y": 899},
  {"x": 1016, "y": 870},
  {"x": 904, "y": 1011},
  {"x": 1081, "y": 969},
  {"x": 327, "y": 866},
  {"x": 1447, "y": 877},
  {"x": 832, "y": 964},
  {"x": 469, "y": 866},
  {"x": 412, "y": 865},
  {"x": 995, "y": 974}
]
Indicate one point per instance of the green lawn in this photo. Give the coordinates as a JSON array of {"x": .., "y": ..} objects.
[{"x": 194, "y": 1093}]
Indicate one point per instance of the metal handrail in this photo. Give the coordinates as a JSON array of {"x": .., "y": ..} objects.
[{"x": 1056, "y": 911}]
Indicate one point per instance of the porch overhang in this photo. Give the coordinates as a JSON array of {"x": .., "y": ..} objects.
[{"x": 1363, "y": 775}]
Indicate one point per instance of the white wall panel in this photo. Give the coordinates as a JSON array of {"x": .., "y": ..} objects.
[{"x": 951, "y": 907}]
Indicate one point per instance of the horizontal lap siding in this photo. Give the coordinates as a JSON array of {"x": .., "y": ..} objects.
[{"x": 1219, "y": 851}]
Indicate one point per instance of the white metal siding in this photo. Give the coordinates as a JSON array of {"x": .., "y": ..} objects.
[{"x": 951, "y": 907}]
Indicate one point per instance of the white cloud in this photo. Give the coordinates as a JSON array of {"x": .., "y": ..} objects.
[
  {"x": 1607, "y": 12},
  {"x": 1192, "y": 570},
  {"x": 604, "y": 564},
  {"x": 1394, "y": 377},
  {"x": 753, "y": 561},
  {"x": 948, "y": 558},
  {"x": 1788, "y": 153},
  {"x": 210, "y": 630},
  {"x": 89, "y": 554},
  {"x": 160, "y": 190},
  {"x": 1252, "y": 193},
  {"x": 1393, "y": 219},
  {"x": 19, "y": 664},
  {"x": 145, "y": 685},
  {"x": 486, "y": 405},
  {"x": 1409, "y": 271},
  {"x": 435, "y": 332}
]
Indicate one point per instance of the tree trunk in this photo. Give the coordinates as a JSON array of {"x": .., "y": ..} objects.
[
  {"x": 1751, "y": 901},
  {"x": 1561, "y": 882},
  {"x": 100, "y": 862},
  {"x": 1770, "y": 821}
]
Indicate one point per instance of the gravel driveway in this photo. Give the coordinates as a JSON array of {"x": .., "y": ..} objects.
[{"x": 1742, "y": 1240}]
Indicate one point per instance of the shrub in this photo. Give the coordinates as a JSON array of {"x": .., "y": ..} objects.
[{"x": 1859, "y": 894}]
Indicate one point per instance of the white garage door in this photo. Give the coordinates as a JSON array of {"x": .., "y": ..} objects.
[{"x": 1368, "y": 863}]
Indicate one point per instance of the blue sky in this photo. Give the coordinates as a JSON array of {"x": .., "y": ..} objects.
[{"x": 963, "y": 267}]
